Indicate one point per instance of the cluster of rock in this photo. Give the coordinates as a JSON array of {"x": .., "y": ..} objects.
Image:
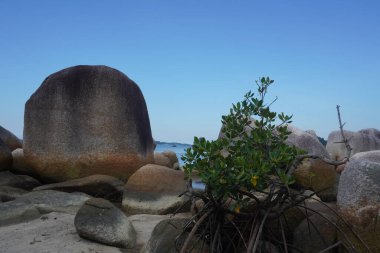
[
  {"x": 86, "y": 177},
  {"x": 352, "y": 190}
]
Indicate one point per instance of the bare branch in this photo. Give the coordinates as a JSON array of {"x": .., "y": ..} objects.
[{"x": 345, "y": 141}]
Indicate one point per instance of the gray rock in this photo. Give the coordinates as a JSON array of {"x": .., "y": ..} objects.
[
  {"x": 19, "y": 181},
  {"x": 359, "y": 188},
  {"x": 8, "y": 193},
  {"x": 10, "y": 139},
  {"x": 15, "y": 212},
  {"x": 173, "y": 158},
  {"x": 161, "y": 159},
  {"x": 100, "y": 221},
  {"x": 359, "y": 199},
  {"x": 154, "y": 189},
  {"x": 306, "y": 141},
  {"x": 144, "y": 225},
  {"x": 315, "y": 233},
  {"x": 371, "y": 131},
  {"x": 313, "y": 173},
  {"x": 363, "y": 140},
  {"x": 54, "y": 201},
  {"x": 54, "y": 232},
  {"x": 19, "y": 164},
  {"x": 5, "y": 156},
  {"x": 100, "y": 186},
  {"x": 164, "y": 235},
  {"x": 87, "y": 120}
]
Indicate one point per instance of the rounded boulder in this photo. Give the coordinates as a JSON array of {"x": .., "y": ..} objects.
[
  {"x": 98, "y": 220},
  {"x": 361, "y": 141},
  {"x": 359, "y": 199},
  {"x": 313, "y": 173},
  {"x": 87, "y": 120},
  {"x": 155, "y": 189}
]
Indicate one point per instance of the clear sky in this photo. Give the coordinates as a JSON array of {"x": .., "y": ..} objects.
[{"x": 193, "y": 59}]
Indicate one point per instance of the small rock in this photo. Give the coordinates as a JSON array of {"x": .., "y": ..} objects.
[
  {"x": 98, "y": 220},
  {"x": 100, "y": 186},
  {"x": 19, "y": 181}
]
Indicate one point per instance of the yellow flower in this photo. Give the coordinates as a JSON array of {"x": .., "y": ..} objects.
[
  {"x": 254, "y": 180},
  {"x": 237, "y": 209}
]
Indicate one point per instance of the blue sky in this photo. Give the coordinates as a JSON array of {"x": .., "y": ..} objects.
[{"x": 193, "y": 59}]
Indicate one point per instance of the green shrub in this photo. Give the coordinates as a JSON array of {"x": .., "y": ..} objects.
[
  {"x": 251, "y": 152},
  {"x": 247, "y": 172}
]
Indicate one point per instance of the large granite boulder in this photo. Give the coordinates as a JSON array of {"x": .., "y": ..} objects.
[
  {"x": 100, "y": 186},
  {"x": 10, "y": 139},
  {"x": 5, "y": 156},
  {"x": 98, "y": 220},
  {"x": 87, "y": 120},
  {"x": 313, "y": 173},
  {"x": 363, "y": 140},
  {"x": 359, "y": 197},
  {"x": 155, "y": 189}
]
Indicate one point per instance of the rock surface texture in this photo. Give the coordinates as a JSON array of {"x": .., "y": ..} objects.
[
  {"x": 5, "y": 156},
  {"x": 19, "y": 164},
  {"x": 173, "y": 158},
  {"x": 363, "y": 140},
  {"x": 161, "y": 159},
  {"x": 99, "y": 220},
  {"x": 87, "y": 120},
  {"x": 54, "y": 232},
  {"x": 18, "y": 181},
  {"x": 313, "y": 173},
  {"x": 100, "y": 186},
  {"x": 359, "y": 196},
  {"x": 154, "y": 189},
  {"x": 10, "y": 139},
  {"x": 164, "y": 235}
]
